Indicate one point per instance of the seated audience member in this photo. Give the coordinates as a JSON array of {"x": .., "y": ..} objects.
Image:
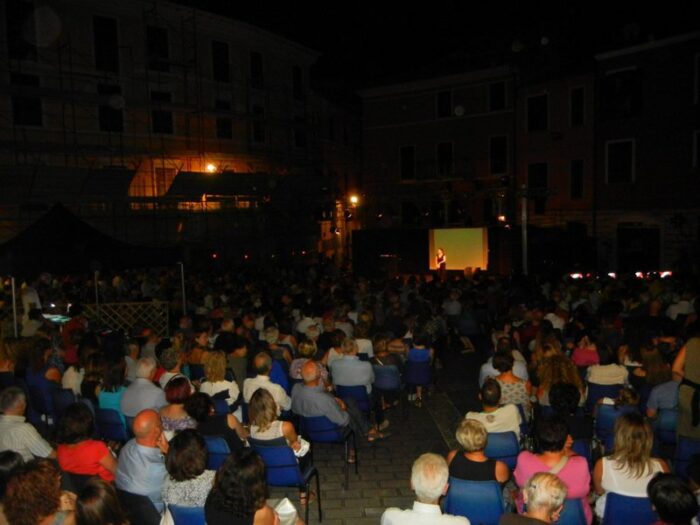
[
  {"x": 630, "y": 467},
  {"x": 98, "y": 504},
  {"x": 263, "y": 365},
  {"x": 173, "y": 416},
  {"x": 663, "y": 396},
  {"x": 494, "y": 417},
  {"x": 239, "y": 494},
  {"x": 551, "y": 436},
  {"x": 544, "y": 494},
  {"x": 77, "y": 452},
  {"x": 311, "y": 400},
  {"x": 557, "y": 369},
  {"x": 91, "y": 384},
  {"x": 236, "y": 350},
  {"x": 215, "y": 383},
  {"x": 565, "y": 402},
  {"x": 627, "y": 400},
  {"x": 171, "y": 359},
  {"x": 10, "y": 461},
  {"x": 209, "y": 423},
  {"x": 471, "y": 463},
  {"x": 33, "y": 496},
  {"x": 513, "y": 389},
  {"x": 586, "y": 351},
  {"x": 429, "y": 481},
  {"x": 673, "y": 500},
  {"x": 307, "y": 350},
  {"x": 40, "y": 373},
  {"x": 519, "y": 366},
  {"x": 141, "y": 467},
  {"x": 188, "y": 482},
  {"x": 113, "y": 388},
  {"x": 15, "y": 433},
  {"x": 420, "y": 352},
  {"x": 694, "y": 475},
  {"x": 142, "y": 394},
  {"x": 607, "y": 372}
]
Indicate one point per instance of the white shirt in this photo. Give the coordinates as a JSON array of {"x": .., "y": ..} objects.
[
  {"x": 250, "y": 385},
  {"x": 73, "y": 378},
  {"x": 421, "y": 514},
  {"x": 557, "y": 322},
  {"x": 364, "y": 346},
  {"x": 18, "y": 435},
  {"x": 503, "y": 419}
]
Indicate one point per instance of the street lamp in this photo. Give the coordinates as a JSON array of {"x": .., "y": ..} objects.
[
  {"x": 210, "y": 167},
  {"x": 354, "y": 200}
]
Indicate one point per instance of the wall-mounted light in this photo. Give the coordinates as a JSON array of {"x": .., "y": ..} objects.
[{"x": 210, "y": 167}]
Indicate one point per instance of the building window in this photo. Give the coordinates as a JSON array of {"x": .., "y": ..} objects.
[
  {"x": 576, "y": 100},
  {"x": 444, "y": 104},
  {"x": 497, "y": 96},
  {"x": 297, "y": 83},
  {"x": 498, "y": 155},
  {"x": 620, "y": 161},
  {"x": 106, "y": 42},
  {"x": 299, "y": 133},
  {"x": 20, "y": 29},
  {"x": 164, "y": 178},
  {"x": 445, "y": 161},
  {"x": 258, "y": 124},
  {"x": 621, "y": 94},
  {"x": 157, "y": 48},
  {"x": 537, "y": 184},
  {"x": 537, "y": 113},
  {"x": 109, "y": 112},
  {"x": 576, "y": 179},
  {"x": 162, "y": 119},
  {"x": 407, "y": 159},
  {"x": 224, "y": 124},
  {"x": 220, "y": 61},
  {"x": 257, "y": 78},
  {"x": 696, "y": 149},
  {"x": 26, "y": 109}
]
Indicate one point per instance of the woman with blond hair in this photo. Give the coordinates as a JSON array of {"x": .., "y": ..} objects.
[
  {"x": 554, "y": 369},
  {"x": 215, "y": 383},
  {"x": 471, "y": 463},
  {"x": 628, "y": 470}
]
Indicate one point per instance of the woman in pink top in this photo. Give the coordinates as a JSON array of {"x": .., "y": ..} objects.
[
  {"x": 586, "y": 351},
  {"x": 552, "y": 436}
]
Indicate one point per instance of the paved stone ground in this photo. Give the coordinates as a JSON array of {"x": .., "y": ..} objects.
[{"x": 384, "y": 466}]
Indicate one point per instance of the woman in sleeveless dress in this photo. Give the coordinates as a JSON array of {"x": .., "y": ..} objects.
[
  {"x": 686, "y": 369},
  {"x": 471, "y": 463}
]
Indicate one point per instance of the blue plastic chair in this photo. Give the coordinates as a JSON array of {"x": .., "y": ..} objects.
[
  {"x": 110, "y": 425},
  {"x": 61, "y": 399},
  {"x": 665, "y": 426},
  {"x": 282, "y": 469},
  {"x": 196, "y": 372},
  {"x": 625, "y": 509},
  {"x": 187, "y": 515},
  {"x": 320, "y": 429},
  {"x": 606, "y": 416},
  {"x": 503, "y": 446},
  {"x": 479, "y": 501},
  {"x": 596, "y": 392},
  {"x": 218, "y": 451},
  {"x": 572, "y": 514},
  {"x": 584, "y": 448},
  {"x": 357, "y": 393},
  {"x": 685, "y": 450},
  {"x": 220, "y": 407}
]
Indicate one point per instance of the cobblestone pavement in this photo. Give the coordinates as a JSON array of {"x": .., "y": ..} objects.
[{"x": 385, "y": 466}]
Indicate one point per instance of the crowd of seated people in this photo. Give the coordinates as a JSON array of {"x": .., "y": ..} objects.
[{"x": 267, "y": 350}]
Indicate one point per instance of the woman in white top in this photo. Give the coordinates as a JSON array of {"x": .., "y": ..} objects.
[
  {"x": 216, "y": 383},
  {"x": 264, "y": 425},
  {"x": 629, "y": 468}
]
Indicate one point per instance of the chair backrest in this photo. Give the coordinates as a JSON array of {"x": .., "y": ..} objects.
[
  {"x": 129, "y": 424},
  {"x": 685, "y": 450},
  {"x": 220, "y": 406},
  {"x": 584, "y": 448},
  {"x": 41, "y": 402},
  {"x": 418, "y": 373},
  {"x": 387, "y": 377},
  {"x": 281, "y": 465},
  {"x": 62, "y": 398},
  {"x": 665, "y": 426},
  {"x": 479, "y": 501},
  {"x": 218, "y": 451},
  {"x": 321, "y": 429},
  {"x": 606, "y": 416},
  {"x": 503, "y": 446},
  {"x": 110, "y": 425},
  {"x": 356, "y": 393},
  {"x": 140, "y": 509},
  {"x": 187, "y": 515},
  {"x": 596, "y": 392},
  {"x": 626, "y": 509},
  {"x": 572, "y": 514},
  {"x": 196, "y": 372}
]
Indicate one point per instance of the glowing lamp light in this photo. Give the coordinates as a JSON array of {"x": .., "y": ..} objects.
[
  {"x": 576, "y": 275},
  {"x": 246, "y": 256},
  {"x": 639, "y": 275},
  {"x": 501, "y": 218},
  {"x": 354, "y": 200},
  {"x": 612, "y": 275},
  {"x": 214, "y": 255},
  {"x": 665, "y": 274},
  {"x": 210, "y": 167}
]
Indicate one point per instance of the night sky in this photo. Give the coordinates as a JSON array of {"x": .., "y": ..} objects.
[{"x": 370, "y": 42}]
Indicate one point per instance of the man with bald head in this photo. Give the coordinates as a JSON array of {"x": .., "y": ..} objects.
[
  {"x": 311, "y": 400},
  {"x": 263, "y": 366},
  {"x": 141, "y": 468}
]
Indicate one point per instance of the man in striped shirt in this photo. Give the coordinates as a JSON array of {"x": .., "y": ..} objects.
[{"x": 15, "y": 433}]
